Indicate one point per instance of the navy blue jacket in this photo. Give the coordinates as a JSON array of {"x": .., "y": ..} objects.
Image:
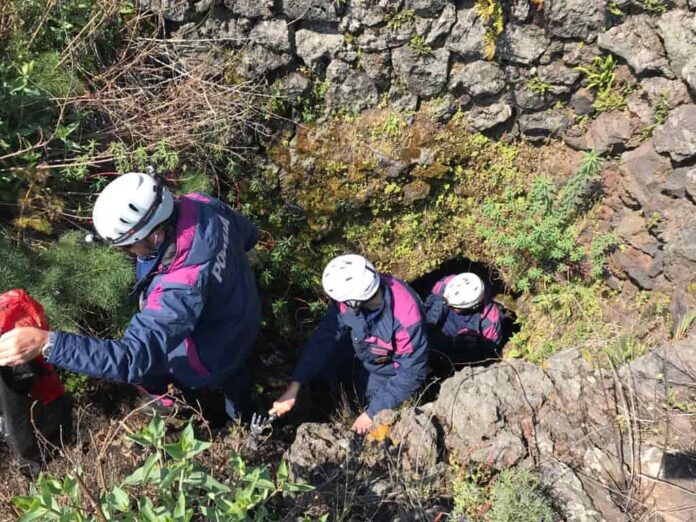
[
  {"x": 485, "y": 325},
  {"x": 200, "y": 311},
  {"x": 391, "y": 343}
]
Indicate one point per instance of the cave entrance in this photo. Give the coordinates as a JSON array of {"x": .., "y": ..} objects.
[{"x": 447, "y": 354}]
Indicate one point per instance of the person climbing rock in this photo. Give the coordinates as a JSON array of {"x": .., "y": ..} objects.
[
  {"x": 199, "y": 307},
  {"x": 465, "y": 324},
  {"x": 376, "y": 318}
]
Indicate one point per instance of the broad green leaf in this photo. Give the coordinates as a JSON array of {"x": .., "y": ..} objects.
[
  {"x": 202, "y": 479},
  {"x": 120, "y": 498}
]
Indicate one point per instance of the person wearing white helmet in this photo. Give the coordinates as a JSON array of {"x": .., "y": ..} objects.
[
  {"x": 384, "y": 319},
  {"x": 199, "y": 307},
  {"x": 466, "y": 323}
]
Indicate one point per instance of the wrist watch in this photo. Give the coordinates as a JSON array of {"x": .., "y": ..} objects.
[{"x": 46, "y": 350}]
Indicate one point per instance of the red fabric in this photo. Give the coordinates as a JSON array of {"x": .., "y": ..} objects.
[{"x": 18, "y": 309}]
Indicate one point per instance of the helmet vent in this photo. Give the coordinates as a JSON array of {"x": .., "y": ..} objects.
[{"x": 132, "y": 207}]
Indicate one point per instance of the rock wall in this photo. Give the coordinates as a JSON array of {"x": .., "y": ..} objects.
[{"x": 523, "y": 82}]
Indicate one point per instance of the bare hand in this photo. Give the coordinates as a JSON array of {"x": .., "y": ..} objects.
[
  {"x": 286, "y": 402},
  {"x": 362, "y": 424},
  {"x": 21, "y": 345}
]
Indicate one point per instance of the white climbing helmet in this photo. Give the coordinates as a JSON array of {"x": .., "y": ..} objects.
[
  {"x": 464, "y": 291},
  {"x": 130, "y": 207},
  {"x": 350, "y": 279}
]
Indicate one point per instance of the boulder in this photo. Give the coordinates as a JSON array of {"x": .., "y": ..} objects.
[
  {"x": 479, "y": 78},
  {"x": 522, "y": 44},
  {"x": 425, "y": 75},
  {"x": 581, "y": 101},
  {"x": 538, "y": 126},
  {"x": 677, "y": 136},
  {"x": 440, "y": 28},
  {"x": 271, "y": 34},
  {"x": 486, "y": 117},
  {"x": 311, "y": 10},
  {"x": 609, "y": 132},
  {"x": 378, "y": 67},
  {"x": 561, "y": 77},
  {"x": 484, "y": 410},
  {"x": 677, "y": 29},
  {"x": 529, "y": 100},
  {"x": 251, "y": 8},
  {"x": 416, "y": 436},
  {"x": 364, "y": 13},
  {"x": 644, "y": 170},
  {"x": 375, "y": 39},
  {"x": 348, "y": 88},
  {"x": 171, "y": 10},
  {"x": 319, "y": 451},
  {"x": 579, "y": 19},
  {"x": 314, "y": 47},
  {"x": 688, "y": 73},
  {"x": 567, "y": 490},
  {"x": 467, "y": 37},
  {"x": 641, "y": 268},
  {"x": 426, "y": 8},
  {"x": 258, "y": 60},
  {"x": 416, "y": 190},
  {"x": 637, "y": 42}
]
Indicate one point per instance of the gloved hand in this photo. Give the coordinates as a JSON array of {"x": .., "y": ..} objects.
[{"x": 434, "y": 309}]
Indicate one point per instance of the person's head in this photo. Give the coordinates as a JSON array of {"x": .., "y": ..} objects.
[
  {"x": 129, "y": 211},
  {"x": 464, "y": 292},
  {"x": 352, "y": 280}
]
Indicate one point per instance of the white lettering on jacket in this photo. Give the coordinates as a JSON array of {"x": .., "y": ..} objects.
[{"x": 221, "y": 257}]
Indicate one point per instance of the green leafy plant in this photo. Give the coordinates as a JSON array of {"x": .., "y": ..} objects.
[
  {"x": 655, "y": 7},
  {"x": 419, "y": 46},
  {"x": 400, "y": 19},
  {"x": 518, "y": 494},
  {"x": 600, "y": 77},
  {"x": 614, "y": 9},
  {"x": 168, "y": 486},
  {"x": 513, "y": 494},
  {"x": 491, "y": 12},
  {"x": 537, "y": 85},
  {"x": 534, "y": 231}
]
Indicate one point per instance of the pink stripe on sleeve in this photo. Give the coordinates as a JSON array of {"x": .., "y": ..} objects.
[
  {"x": 194, "y": 358},
  {"x": 406, "y": 309},
  {"x": 403, "y": 342},
  {"x": 185, "y": 232},
  {"x": 198, "y": 197},
  {"x": 154, "y": 298}
]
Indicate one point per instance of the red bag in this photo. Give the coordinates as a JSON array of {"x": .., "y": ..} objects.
[{"x": 18, "y": 309}]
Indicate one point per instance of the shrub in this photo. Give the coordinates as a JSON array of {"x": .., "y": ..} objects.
[
  {"x": 518, "y": 494},
  {"x": 169, "y": 486},
  {"x": 81, "y": 286},
  {"x": 512, "y": 495},
  {"x": 533, "y": 232}
]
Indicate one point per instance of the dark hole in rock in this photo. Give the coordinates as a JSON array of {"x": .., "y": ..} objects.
[
  {"x": 447, "y": 355},
  {"x": 679, "y": 465}
]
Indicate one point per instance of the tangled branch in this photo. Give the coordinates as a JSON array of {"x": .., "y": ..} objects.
[{"x": 181, "y": 93}]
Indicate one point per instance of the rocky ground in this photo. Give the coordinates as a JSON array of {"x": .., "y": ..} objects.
[{"x": 611, "y": 443}]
